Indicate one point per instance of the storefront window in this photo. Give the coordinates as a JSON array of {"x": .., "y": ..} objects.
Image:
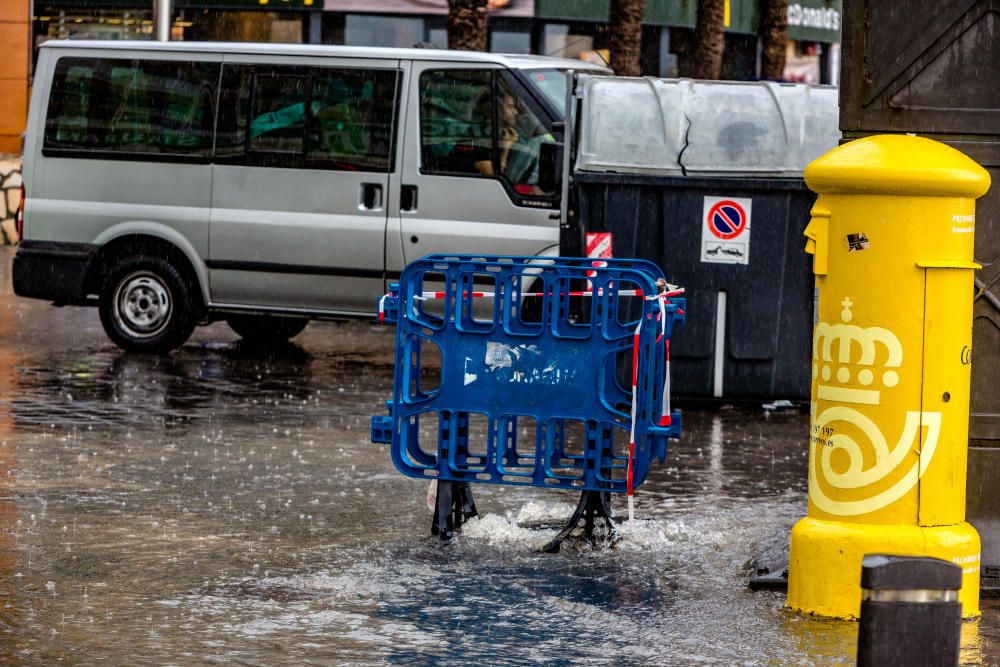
[
  {"x": 369, "y": 30},
  {"x": 802, "y": 62},
  {"x": 669, "y": 64},
  {"x": 505, "y": 41},
  {"x": 438, "y": 37},
  {"x": 91, "y": 24},
  {"x": 560, "y": 41},
  {"x": 193, "y": 25}
]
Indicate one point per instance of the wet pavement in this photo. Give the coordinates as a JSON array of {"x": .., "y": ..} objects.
[{"x": 225, "y": 506}]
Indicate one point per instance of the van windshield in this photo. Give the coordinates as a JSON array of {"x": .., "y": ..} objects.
[{"x": 552, "y": 84}]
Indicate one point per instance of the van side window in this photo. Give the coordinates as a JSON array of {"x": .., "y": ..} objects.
[
  {"x": 456, "y": 122},
  {"x": 131, "y": 108},
  {"x": 278, "y": 114},
  {"x": 70, "y": 126},
  {"x": 351, "y": 119},
  {"x": 234, "y": 107},
  {"x": 521, "y": 134},
  {"x": 305, "y": 117},
  {"x": 475, "y": 123}
]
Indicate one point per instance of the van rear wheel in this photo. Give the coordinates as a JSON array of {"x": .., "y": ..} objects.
[
  {"x": 266, "y": 328},
  {"x": 146, "y": 305}
]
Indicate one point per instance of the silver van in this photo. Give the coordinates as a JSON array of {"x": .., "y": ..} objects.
[{"x": 172, "y": 184}]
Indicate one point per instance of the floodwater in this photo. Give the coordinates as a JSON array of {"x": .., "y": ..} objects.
[{"x": 225, "y": 506}]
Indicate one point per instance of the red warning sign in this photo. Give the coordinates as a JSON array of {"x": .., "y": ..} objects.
[
  {"x": 599, "y": 244},
  {"x": 598, "y": 247}
]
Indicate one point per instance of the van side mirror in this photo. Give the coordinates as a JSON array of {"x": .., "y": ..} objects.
[{"x": 550, "y": 166}]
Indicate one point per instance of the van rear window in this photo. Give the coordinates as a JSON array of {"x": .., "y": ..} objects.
[{"x": 132, "y": 107}]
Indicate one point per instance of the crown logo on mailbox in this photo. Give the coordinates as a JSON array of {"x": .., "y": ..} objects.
[
  {"x": 838, "y": 346},
  {"x": 851, "y": 366}
]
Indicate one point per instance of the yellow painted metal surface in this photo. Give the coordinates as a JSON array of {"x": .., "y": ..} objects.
[
  {"x": 891, "y": 236},
  {"x": 826, "y": 561}
]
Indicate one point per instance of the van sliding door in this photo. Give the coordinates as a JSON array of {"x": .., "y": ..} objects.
[{"x": 301, "y": 176}]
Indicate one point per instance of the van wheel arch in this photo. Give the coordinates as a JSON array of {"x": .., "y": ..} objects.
[
  {"x": 124, "y": 247},
  {"x": 148, "y": 294}
]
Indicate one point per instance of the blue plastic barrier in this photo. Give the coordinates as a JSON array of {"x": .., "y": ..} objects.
[{"x": 531, "y": 353}]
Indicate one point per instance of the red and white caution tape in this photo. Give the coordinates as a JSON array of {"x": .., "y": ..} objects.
[
  {"x": 662, "y": 298},
  {"x": 381, "y": 307},
  {"x": 427, "y": 296},
  {"x": 665, "y": 402},
  {"x": 629, "y": 478}
]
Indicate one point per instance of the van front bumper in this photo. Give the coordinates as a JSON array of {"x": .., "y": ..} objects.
[{"x": 52, "y": 271}]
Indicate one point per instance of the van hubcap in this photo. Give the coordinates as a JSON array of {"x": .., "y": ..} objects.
[{"x": 142, "y": 304}]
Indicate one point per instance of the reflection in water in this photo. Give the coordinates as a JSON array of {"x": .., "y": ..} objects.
[
  {"x": 971, "y": 653},
  {"x": 11, "y": 606},
  {"x": 820, "y": 641},
  {"x": 715, "y": 455},
  {"x": 828, "y": 642},
  {"x": 114, "y": 388}
]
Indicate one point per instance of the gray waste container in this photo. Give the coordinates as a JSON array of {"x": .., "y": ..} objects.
[{"x": 656, "y": 163}]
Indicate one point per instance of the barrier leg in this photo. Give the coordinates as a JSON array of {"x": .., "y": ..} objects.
[
  {"x": 593, "y": 506},
  {"x": 454, "y": 506}
]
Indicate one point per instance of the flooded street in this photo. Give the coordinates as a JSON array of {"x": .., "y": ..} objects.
[{"x": 225, "y": 506}]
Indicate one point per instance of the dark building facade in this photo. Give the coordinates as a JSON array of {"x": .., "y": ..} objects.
[{"x": 567, "y": 28}]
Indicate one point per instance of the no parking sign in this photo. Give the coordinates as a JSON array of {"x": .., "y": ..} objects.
[{"x": 725, "y": 230}]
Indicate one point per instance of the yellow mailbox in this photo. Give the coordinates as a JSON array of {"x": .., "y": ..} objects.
[{"x": 892, "y": 239}]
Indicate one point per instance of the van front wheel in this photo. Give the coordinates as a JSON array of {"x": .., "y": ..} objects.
[
  {"x": 146, "y": 305},
  {"x": 266, "y": 328}
]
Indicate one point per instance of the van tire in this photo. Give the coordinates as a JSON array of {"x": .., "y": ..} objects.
[
  {"x": 146, "y": 305},
  {"x": 266, "y": 328}
]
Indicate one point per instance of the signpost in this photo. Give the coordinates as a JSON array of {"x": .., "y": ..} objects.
[{"x": 162, "y": 19}]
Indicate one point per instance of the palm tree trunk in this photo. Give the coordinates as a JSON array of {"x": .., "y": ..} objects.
[
  {"x": 467, "y": 25},
  {"x": 773, "y": 38},
  {"x": 709, "y": 41},
  {"x": 625, "y": 35}
]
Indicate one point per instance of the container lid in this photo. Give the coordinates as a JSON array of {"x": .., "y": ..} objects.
[
  {"x": 906, "y": 573},
  {"x": 682, "y": 127},
  {"x": 897, "y": 164}
]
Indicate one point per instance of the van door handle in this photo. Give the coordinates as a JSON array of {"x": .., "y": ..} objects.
[
  {"x": 408, "y": 198},
  {"x": 370, "y": 197}
]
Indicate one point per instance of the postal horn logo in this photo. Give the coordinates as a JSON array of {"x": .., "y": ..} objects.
[{"x": 879, "y": 470}]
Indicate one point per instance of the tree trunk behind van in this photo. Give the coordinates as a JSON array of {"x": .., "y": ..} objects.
[
  {"x": 709, "y": 39},
  {"x": 625, "y": 26},
  {"x": 467, "y": 25},
  {"x": 773, "y": 39}
]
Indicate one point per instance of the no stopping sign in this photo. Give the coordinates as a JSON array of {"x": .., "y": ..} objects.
[
  {"x": 725, "y": 230},
  {"x": 727, "y": 219}
]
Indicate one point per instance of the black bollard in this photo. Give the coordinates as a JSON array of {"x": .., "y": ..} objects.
[{"x": 910, "y": 613}]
